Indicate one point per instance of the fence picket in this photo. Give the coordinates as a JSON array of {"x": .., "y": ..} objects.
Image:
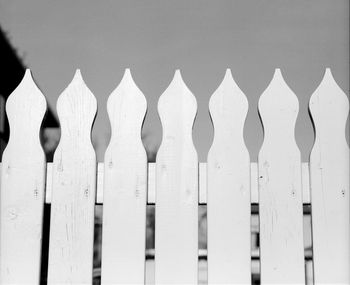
[
  {"x": 73, "y": 188},
  {"x": 22, "y": 186},
  {"x": 125, "y": 186},
  {"x": 229, "y": 252},
  {"x": 176, "y": 230},
  {"x": 329, "y": 177},
  {"x": 177, "y": 184},
  {"x": 280, "y": 190}
]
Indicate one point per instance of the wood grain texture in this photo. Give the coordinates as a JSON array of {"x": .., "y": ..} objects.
[
  {"x": 176, "y": 230},
  {"x": 280, "y": 189},
  {"x": 73, "y": 188},
  {"x": 229, "y": 252},
  {"x": 22, "y": 186},
  {"x": 329, "y": 177},
  {"x": 125, "y": 188}
]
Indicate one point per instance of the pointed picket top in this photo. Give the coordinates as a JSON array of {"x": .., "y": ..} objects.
[
  {"x": 329, "y": 107},
  {"x": 226, "y": 103},
  {"x": 27, "y": 100},
  {"x": 22, "y": 186},
  {"x": 73, "y": 187},
  {"x": 76, "y": 108},
  {"x": 176, "y": 243},
  {"x": 280, "y": 191},
  {"x": 125, "y": 188},
  {"x": 77, "y": 97},
  {"x": 278, "y": 108},
  {"x": 329, "y": 177},
  {"x": 126, "y": 108},
  {"x": 177, "y": 83},
  {"x": 176, "y": 97},
  {"x": 228, "y": 188}
]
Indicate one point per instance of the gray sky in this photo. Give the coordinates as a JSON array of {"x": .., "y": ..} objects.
[{"x": 202, "y": 38}]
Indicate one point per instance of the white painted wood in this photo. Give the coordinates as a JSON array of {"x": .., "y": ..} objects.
[
  {"x": 125, "y": 188},
  {"x": 22, "y": 186},
  {"x": 176, "y": 229},
  {"x": 228, "y": 204},
  {"x": 48, "y": 185},
  {"x": 280, "y": 189},
  {"x": 151, "y": 191},
  {"x": 73, "y": 188},
  {"x": 254, "y": 182},
  {"x": 100, "y": 183},
  {"x": 309, "y": 280},
  {"x": 202, "y": 183},
  {"x": 329, "y": 169},
  {"x": 305, "y": 181}
]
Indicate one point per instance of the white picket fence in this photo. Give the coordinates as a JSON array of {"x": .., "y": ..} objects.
[{"x": 228, "y": 183}]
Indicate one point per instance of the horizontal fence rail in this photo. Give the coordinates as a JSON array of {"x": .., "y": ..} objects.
[
  {"x": 270, "y": 197},
  {"x": 202, "y": 193}
]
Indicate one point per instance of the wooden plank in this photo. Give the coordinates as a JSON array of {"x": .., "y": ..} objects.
[
  {"x": 229, "y": 252},
  {"x": 100, "y": 183},
  {"x": 329, "y": 169},
  {"x": 254, "y": 183},
  {"x": 73, "y": 188},
  {"x": 151, "y": 190},
  {"x": 48, "y": 184},
  {"x": 280, "y": 189},
  {"x": 202, "y": 183},
  {"x": 305, "y": 180},
  {"x": 176, "y": 229},
  {"x": 22, "y": 187},
  {"x": 125, "y": 188}
]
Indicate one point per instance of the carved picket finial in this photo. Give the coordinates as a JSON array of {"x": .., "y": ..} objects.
[
  {"x": 73, "y": 188},
  {"x": 176, "y": 243},
  {"x": 329, "y": 108},
  {"x": 278, "y": 109},
  {"x": 22, "y": 186},
  {"x": 126, "y": 104},
  {"x": 228, "y": 189},
  {"x": 28, "y": 101},
  {"x": 228, "y": 109},
  {"x": 125, "y": 187},
  {"x": 280, "y": 200},
  {"x": 76, "y": 109},
  {"x": 173, "y": 99},
  {"x": 329, "y": 173}
]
